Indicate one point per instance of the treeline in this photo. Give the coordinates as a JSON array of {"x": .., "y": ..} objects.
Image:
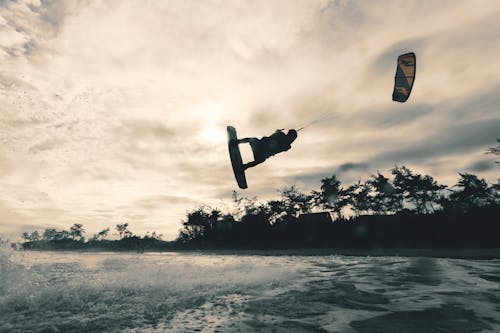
[
  {"x": 74, "y": 239},
  {"x": 406, "y": 209}
]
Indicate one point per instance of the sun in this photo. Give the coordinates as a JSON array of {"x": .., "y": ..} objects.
[
  {"x": 213, "y": 134},
  {"x": 213, "y": 116}
]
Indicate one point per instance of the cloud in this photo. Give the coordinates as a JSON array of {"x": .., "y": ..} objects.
[
  {"x": 461, "y": 138},
  {"x": 25, "y": 27},
  {"x": 139, "y": 128},
  {"x": 484, "y": 165},
  {"x": 394, "y": 117},
  {"x": 156, "y": 201},
  {"x": 352, "y": 166},
  {"x": 46, "y": 145}
]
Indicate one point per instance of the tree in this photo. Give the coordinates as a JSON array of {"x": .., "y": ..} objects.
[
  {"x": 31, "y": 237},
  {"x": 472, "y": 193},
  {"x": 494, "y": 150},
  {"x": 278, "y": 211},
  {"x": 61, "y": 235},
  {"x": 213, "y": 217},
  {"x": 295, "y": 202},
  {"x": 384, "y": 197},
  {"x": 35, "y": 236},
  {"x": 49, "y": 234},
  {"x": 76, "y": 231},
  {"x": 245, "y": 206},
  {"x": 495, "y": 188},
  {"x": 101, "y": 235},
  {"x": 123, "y": 231},
  {"x": 198, "y": 223},
  {"x": 26, "y": 236},
  {"x": 358, "y": 196},
  {"x": 423, "y": 192},
  {"x": 156, "y": 236},
  {"x": 331, "y": 195},
  {"x": 292, "y": 202}
]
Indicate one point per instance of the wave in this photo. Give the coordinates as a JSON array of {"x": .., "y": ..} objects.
[{"x": 125, "y": 291}]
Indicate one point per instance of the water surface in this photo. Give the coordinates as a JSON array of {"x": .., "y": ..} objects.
[{"x": 194, "y": 292}]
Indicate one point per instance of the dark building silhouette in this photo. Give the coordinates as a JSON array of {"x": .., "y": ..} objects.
[{"x": 315, "y": 219}]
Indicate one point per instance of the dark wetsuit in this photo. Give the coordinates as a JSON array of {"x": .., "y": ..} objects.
[{"x": 269, "y": 146}]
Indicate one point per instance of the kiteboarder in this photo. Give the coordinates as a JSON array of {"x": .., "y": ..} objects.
[
  {"x": 269, "y": 146},
  {"x": 279, "y": 141}
]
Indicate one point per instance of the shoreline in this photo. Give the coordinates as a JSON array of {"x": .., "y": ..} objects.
[{"x": 461, "y": 253}]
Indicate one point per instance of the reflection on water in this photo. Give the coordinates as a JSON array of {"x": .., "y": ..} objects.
[{"x": 173, "y": 292}]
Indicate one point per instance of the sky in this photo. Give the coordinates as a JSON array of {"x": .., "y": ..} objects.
[{"x": 116, "y": 111}]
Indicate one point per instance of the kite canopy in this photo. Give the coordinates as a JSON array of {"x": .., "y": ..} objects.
[{"x": 405, "y": 76}]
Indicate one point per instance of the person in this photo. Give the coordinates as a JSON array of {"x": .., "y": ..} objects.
[{"x": 269, "y": 146}]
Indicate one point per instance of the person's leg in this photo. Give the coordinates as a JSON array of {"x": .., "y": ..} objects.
[
  {"x": 256, "y": 146},
  {"x": 258, "y": 155},
  {"x": 251, "y": 164},
  {"x": 245, "y": 140}
]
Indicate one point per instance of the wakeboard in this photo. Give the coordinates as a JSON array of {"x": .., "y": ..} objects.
[{"x": 235, "y": 155}]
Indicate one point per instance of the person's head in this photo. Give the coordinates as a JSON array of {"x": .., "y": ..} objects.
[{"x": 292, "y": 135}]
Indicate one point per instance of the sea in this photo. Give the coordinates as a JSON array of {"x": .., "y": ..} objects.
[{"x": 241, "y": 292}]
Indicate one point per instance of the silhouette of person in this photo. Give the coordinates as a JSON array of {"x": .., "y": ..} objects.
[{"x": 269, "y": 146}]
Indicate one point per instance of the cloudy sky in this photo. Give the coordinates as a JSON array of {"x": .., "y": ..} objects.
[{"x": 116, "y": 111}]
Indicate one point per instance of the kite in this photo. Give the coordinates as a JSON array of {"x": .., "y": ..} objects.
[{"x": 405, "y": 77}]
